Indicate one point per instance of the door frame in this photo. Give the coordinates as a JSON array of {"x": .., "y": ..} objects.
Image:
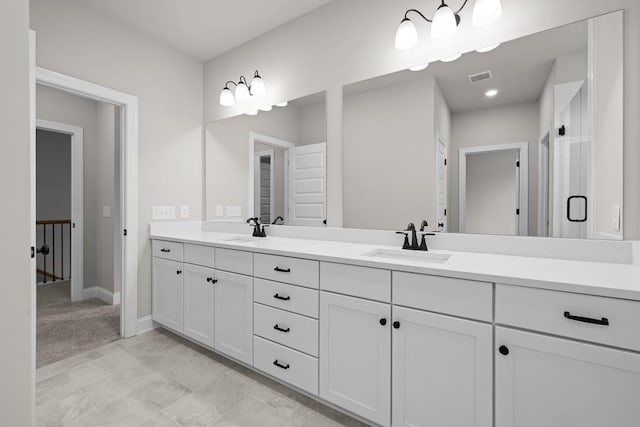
[
  {"x": 127, "y": 249},
  {"x": 544, "y": 217},
  {"x": 269, "y": 140},
  {"x": 257, "y": 171},
  {"x": 439, "y": 140},
  {"x": 77, "y": 200},
  {"x": 522, "y": 177}
]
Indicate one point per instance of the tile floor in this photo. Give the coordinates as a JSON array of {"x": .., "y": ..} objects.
[{"x": 159, "y": 379}]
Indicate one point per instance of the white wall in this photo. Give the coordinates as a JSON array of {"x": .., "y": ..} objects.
[
  {"x": 78, "y": 41},
  {"x": 491, "y": 126},
  {"x": 360, "y": 46},
  {"x": 17, "y": 304}
]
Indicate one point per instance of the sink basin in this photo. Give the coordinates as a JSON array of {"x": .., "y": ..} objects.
[
  {"x": 241, "y": 239},
  {"x": 407, "y": 255}
]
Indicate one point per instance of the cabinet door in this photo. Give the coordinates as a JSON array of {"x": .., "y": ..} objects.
[
  {"x": 355, "y": 355},
  {"x": 555, "y": 382},
  {"x": 199, "y": 285},
  {"x": 167, "y": 293},
  {"x": 442, "y": 370},
  {"x": 233, "y": 302}
]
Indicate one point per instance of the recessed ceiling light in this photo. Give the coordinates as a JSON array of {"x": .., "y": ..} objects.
[
  {"x": 267, "y": 108},
  {"x": 488, "y": 48},
  {"x": 419, "y": 67},
  {"x": 282, "y": 104},
  {"x": 491, "y": 93},
  {"x": 451, "y": 58}
]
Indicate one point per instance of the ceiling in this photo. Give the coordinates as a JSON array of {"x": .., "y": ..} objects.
[
  {"x": 520, "y": 69},
  {"x": 203, "y": 29}
]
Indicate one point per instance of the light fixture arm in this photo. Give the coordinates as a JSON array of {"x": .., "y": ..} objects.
[
  {"x": 418, "y": 12},
  {"x": 442, "y": 3},
  {"x": 226, "y": 85}
]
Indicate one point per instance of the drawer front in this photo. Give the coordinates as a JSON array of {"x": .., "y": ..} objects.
[
  {"x": 199, "y": 255},
  {"x": 458, "y": 297},
  {"x": 302, "y": 272},
  {"x": 364, "y": 282},
  {"x": 292, "y": 367},
  {"x": 234, "y": 261},
  {"x": 167, "y": 250},
  {"x": 292, "y": 330},
  {"x": 544, "y": 310},
  {"x": 286, "y": 297}
]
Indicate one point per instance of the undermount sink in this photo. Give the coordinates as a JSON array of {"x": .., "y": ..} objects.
[
  {"x": 407, "y": 255},
  {"x": 241, "y": 239}
]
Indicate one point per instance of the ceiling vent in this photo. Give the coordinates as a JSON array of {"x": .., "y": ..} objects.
[{"x": 485, "y": 75}]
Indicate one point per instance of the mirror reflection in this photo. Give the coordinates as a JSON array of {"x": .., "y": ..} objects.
[
  {"x": 271, "y": 165},
  {"x": 521, "y": 139}
]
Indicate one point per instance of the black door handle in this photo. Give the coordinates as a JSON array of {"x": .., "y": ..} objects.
[
  {"x": 604, "y": 321},
  {"x": 278, "y": 328},
  {"x": 277, "y": 296},
  {"x": 165, "y": 250},
  {"x": 504, "y": 350},
  {"x": 396, "y": 324},
  {"x": 383, "y": 321},
  {"x": 282, "y": 270},
  {"x": 280, "y": 365},
  {"x": 212, "y": 280}
]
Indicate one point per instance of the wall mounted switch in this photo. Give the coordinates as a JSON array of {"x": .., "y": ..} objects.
[
  {"x": 106, "y": 211},
  {"x": 234, "y": 211},
  {"x": 184, "y": 211},
  {"x": 163, "y": 212}
]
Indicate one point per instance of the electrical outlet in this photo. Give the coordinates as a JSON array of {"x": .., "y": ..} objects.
[
  {"x": 106, "y": 211},
  {"x": 234, "y": 211},
  {"x": 615, "y": 217},
  {"x": 163, "y": 212},
  {"x": 219, "y": 210},
  {"x": 184, "y": 211}
]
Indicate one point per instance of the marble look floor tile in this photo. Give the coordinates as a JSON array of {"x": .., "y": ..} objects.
[
  {"x": 250, "y": 412},
  {"x": 65, "y": 365},
  {"x": 193, "y": 411},
  {"x": 124, "y": 412},
  {"x": 60, "y": 412},
  {"x": 71, "y": 380},
  {"x": 121, "y": 383},
  {"x": 159, "y": 420},
  {"x": 160, "y": 393}
]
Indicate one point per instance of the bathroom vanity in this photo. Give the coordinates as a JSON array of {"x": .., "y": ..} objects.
[{"x": 411, "y": 338}]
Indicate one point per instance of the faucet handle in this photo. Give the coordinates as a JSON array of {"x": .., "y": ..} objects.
[
  {"x": 406, "y": 244},
  {"x": 423, "y": 241}
]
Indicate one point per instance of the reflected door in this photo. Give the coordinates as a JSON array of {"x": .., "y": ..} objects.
[
  {"x": 441, "y": 168},
  {"x": 307, "y": 188}
]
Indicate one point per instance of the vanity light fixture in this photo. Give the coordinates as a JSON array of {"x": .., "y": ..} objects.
[
  {"x": 282, "y": 104},
  {"x": 451, "y": 58},
  {"x": 488, "y": 48},
  {"x": 491, "y": 93},
  {"x": 419, "y": 67},
  {"x": 445, "y": 21},
  {"x": 243, "y": 90}
]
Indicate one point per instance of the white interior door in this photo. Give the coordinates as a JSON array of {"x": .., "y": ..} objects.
[
  {"x": 307, "y": 185},
  {"x": 442, "y": 195}
]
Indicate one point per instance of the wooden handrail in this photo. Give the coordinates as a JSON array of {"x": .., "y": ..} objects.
[{"x": 53, "y": 221}]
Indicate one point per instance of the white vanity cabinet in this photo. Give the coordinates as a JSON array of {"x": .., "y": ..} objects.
[
  {"x": 442, "y": 370},
  {"x": 355, "y": 355},
  {"x": 199, "y": 283},
  {"x": 168, "y": 291}
]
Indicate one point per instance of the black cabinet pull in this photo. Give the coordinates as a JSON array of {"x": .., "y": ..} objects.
[
  {"x": 604, "y": 321},
  {"x": 280, "y": 365},
  {"x": 383, "y": 321},
  {"x": 282, "y": 270},
  {"x": 277, "y": 296},
  {"x": 165, "y": 250},
  {"x": 179, "y": 272},
  {"x": 504, "y": 350},
  {"x": 278, "y": 328},
  {"x": 212, "y": 280},
  {"x": 396, "y": 324}
]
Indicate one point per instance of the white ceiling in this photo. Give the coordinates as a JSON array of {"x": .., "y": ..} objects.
[
  {"x": 520, "y": 69},
  {"x": 204, "y": 28}
]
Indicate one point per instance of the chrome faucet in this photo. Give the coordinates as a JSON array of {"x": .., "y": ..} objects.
[
  {"x": 258, "y": 227},
  {"x": 414, "y": 246}
]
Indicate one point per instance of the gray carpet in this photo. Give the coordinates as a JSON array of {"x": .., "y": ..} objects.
[{"x": 65, "y": 328}]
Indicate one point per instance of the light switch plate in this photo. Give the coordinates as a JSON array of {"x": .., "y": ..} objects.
[
  {"x": 163, "y": 212},
  {"x": 184, "y": 211},
  {"x": 234, "y": 211},
  {"x": 106, "y": 211},
  {"x": 615, "y": 217},
  {"x": 219, "y": 210}
]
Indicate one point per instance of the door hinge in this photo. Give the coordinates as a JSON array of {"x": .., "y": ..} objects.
[
  {"x": 518, "y": 163},
  {"x": 33, "y": 252},
  {"x": 562, "y": 130},
  {"x": 517, "y": 211},
  {"x": 445, "y": 162},
  {"x": 445, "y": 212},
  {"x": 125, "y": 232}
]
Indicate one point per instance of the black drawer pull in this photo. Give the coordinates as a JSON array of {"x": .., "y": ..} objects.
[
  {"x": 280, "y": 365},
  {"x": 212, "y": 280},
  {"x": 604, "y": 321},
  {"x": 165, "y": 250},
  {"x": 282, "y": 270},
  {"x": 278, "y": 328},
  {"x": 277, "y": 296}
]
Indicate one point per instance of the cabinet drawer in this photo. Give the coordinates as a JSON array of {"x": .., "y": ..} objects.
[
  {"x": 298, "y": 271},
  {"x": 293, "y": 367},
  {"x": 544, "y": 310},
  {"x": 458, "y": 297},
  {"x": 365, "y": 282},
  {"x": 287, "y": 297},
  {"x": 199, "y": 255},
  {"x": 167, "y": 250},
  {"x": 292, "y": 330},
  {"x": 234, "y": 261}
]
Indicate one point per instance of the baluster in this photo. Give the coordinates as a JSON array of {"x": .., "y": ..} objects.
[
  {"x": 53, "y": 251},
  {"x": 62, "y": 251},
  {"x": 44, "y": 232}
]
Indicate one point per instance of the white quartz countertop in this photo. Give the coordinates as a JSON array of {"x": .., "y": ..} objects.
[{"x": 595, "y": 278}]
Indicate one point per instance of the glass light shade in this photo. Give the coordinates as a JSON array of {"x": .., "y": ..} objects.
[
  {"x": 406, "y": 36},
  {"x": 444, "y": 23},
  {"x": 266, "y": 108},
  {"x": 419, "y": 67},
  {"x": 226, "y": 98},
  {"x": 486, "y": 12},
  {"x": 451, "y": 58},
  {"x": 242, "y": 92},
  {"x": 257, "y": 86},
  {"x": 488, "y": 48},
  {"x": 282, "y": 104},
  {"x": 252, "y": 112}
]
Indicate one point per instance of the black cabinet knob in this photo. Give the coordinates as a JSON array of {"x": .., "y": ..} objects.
[
  {"x": 383, "y": 321},
  {"x": 504, "y": 350},
  {"x": 396, "y": 324},
  {"x": 212, "y": 280},
  {"x": 179, "y": 272}
]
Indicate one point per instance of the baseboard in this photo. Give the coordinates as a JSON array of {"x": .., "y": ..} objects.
[
  {"x": 146, "y": 324},
  {"x": 102, "y": 294}
]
